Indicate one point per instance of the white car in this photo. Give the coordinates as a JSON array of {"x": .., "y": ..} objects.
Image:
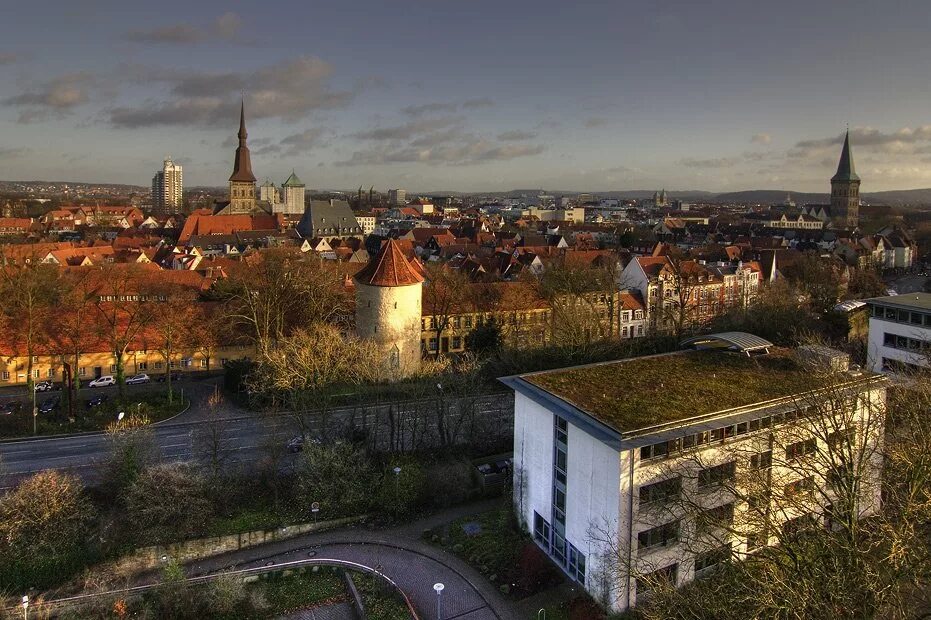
[
  {"x": 103, "y": 381},
  {"x": 137, "y": 379}
]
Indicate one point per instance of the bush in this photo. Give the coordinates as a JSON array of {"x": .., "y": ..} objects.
[
  {"x": 45, "y": 523},
  {"x": 339, "y": 476},
  {"x": 399, "y": 494},
  {"x": 167, "y": 502},
  {"x": 449, "y": 482}
]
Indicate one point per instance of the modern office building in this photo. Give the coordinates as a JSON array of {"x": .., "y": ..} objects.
[
  {"x": 900, "y": 332},
  {"x": 168, "y": 188},
  {"x": 397, "y": 196},
  {"x": 662, "y": 467}
]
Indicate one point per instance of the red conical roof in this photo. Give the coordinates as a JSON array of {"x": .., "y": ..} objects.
[{"x": 390, "y": 267}]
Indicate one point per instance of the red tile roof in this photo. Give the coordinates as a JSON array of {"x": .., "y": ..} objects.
[{"x": 390, "y": 267}]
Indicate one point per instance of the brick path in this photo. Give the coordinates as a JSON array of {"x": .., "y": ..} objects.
[{"x": 339, "y": 611}]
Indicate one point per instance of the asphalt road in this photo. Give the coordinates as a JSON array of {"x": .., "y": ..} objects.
[{"x": 239, "y": 437}]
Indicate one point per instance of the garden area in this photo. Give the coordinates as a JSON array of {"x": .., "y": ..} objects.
[
  {"x": 92, "y": 411},
  {"x": 256, "y": 597}
]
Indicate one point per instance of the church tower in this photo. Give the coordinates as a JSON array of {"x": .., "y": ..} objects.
[
  {"x": 845, "y": 190},
  {"x": 242, "y": 181}
]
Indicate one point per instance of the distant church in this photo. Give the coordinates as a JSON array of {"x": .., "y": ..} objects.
[
  {"x": 844, "y": 210},
  {"x": 242, "y": 197}
]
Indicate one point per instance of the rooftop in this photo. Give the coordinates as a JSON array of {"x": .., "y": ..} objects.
[
  {"x": 635, "y": 394},
  {"x": 912, "y": 301}
]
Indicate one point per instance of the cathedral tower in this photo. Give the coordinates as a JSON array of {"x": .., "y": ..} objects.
[
  {"x": 845, "y": 190},
  {"x": 242, "y": 181}
]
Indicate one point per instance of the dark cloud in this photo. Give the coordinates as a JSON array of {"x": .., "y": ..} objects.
[
  {"x": 304, "y": 141},
  {"x": 429, "y": 108},
  {"x": 58, "y": 96},
  {"x": 409, "y": 130},
  {"x": 225, "y": 28},
  {"x": 434, "y": 138},
  {"x": 466, "y": 153},
  {"x": 714, "y": 162},
  {"x": 591, "y": 123},
  {"x": 515, "y": 136},
  {"x": 289, "y": 91},
  {"x": 482, "y": 102}
]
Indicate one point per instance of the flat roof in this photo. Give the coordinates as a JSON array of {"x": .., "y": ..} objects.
[
  {"x": 913, "y": 301},
  {"x": 641, "y": 393}
]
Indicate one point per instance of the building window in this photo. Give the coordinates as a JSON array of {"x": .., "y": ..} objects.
[
  {"x": 142, "y": 366},
  {"x": 204, "y": 361},
  {"x": 112, "y": 367},
  {"x": 708, "y": 561},
  {"x": 717, "y": 517},
  {"x": 663, "y": 577},
  {"x": 660, "y": 491},
  {"x": 457, "y": 342},
  {"x": 158, "y": 365},
  {"x": 801, "y": 449},
  {"x": 82, "y": 371},
  {"x": 576, "y": 564},
  {"x": 6, "y": 375},
  {"x": 433, "y": 344},
  {"x": 51, "y": 373},
  {"x": 762, "y": 460},
  {"x": 717, "y": 475},
  {"x": 660, "y": 536}
]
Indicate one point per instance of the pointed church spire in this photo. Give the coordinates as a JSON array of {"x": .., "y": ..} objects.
[
  {"x": 845, "y": 168},
  {"x": 242, "y": 164},
  {"x": 242, "y": 123}
]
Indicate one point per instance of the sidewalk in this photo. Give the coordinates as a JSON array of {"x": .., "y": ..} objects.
[{"x": 401, "y": 555}]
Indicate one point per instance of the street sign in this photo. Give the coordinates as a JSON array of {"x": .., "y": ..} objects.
[
  {"x": 120, "y": 416},
  {"x": 315, "y": 507}
]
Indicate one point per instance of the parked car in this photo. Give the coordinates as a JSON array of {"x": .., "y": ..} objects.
[
  {"x": 97, "y": 401},
  {"x": 103, "y": 381},
  {"x": 175, "y": 376},
  {"x": 138, "y": 379},
  {"x": 296, "y": 444},
  {"x": 11, "y": 407},
  {"x": 44, "y": 386},
  {"x": 49, "y": 405}
]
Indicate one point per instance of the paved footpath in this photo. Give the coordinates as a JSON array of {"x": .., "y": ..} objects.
[{"x": 401, "y": 555}]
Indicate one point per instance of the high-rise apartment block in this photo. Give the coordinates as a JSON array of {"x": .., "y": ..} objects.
[
  {"x": 168, "y": 188},
  {"x": 397, "y": 196}
]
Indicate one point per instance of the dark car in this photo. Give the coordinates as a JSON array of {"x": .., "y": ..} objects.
[
  {"x": 50, "y": 405},
  {"x": 97, "y": 401},
  {"x": 11, "y": 407},
  {"x": 175, "y": 376},
  {"x": 296, "y": 444}
]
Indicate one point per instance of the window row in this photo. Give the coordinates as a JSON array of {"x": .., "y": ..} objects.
[
  {"x": 905, "y": 343},
  {"x": 902, "y": 316}
]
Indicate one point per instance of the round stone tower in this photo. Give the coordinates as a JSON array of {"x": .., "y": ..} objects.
[{"x": 389, "y": 291}]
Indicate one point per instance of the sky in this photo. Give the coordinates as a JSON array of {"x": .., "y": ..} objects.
[{"x": 436, "y": 95}]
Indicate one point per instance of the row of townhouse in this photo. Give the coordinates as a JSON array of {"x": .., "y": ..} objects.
[
  {"x": 661, "y": 468},
  {"x": 705, "y": 289}
]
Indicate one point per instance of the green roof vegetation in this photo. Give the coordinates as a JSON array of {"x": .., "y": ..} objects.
[{"x": 634, "y": 394}]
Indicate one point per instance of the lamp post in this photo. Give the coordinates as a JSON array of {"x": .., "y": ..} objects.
[
  {"x": 397, "y": 477},
  {"x": 438, "y": 588},
  {"x": 25, "y": 607}
]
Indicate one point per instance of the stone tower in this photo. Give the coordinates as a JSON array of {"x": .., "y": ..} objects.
[
  {"x": 389, "y": 291},
  {"x": 293, "y": 195},
  {"x": 242, "y": 181},
  {"x": 845, "y": 190}
]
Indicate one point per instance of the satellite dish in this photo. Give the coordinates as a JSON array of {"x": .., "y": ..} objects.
[{"x": 120, "y": 416}]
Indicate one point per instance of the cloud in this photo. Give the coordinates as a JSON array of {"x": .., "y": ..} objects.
[
  {"x": 516, "y": 136},
  {"x": 304, "y": 141},
  {"x": 8, "y": 58},
  {"x": 58, "y": 96},
  {"x": 591, "y": 123},
  {"x": 713, "y": 162},
  {"x": 13, "y": 152},
  {"x": 429, "y": 108},
  {"x": 472, "y": 152},
  {"x": 481, "y": 102},
  {"x": 761, "y": 138},
  {"x": 290, "y": 91},
  {"x": 225, "y": 28},
  {"x": 408, "y": 130},
  {"x": 906, "y": 141}
]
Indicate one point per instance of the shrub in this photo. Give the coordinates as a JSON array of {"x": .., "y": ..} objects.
[
  {"x": 167, "y": 502},
  {"x": 399, "y": 494},
  {"x": 339, "y": 476}
]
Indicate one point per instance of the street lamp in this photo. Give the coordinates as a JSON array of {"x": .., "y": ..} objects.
[
  {"x": 25, "y": 607},
  {"x": 397, "y": 477},
  {"x": 438, "y": 588}
]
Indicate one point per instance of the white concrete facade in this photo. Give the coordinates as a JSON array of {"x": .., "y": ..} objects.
[
  {"x": 604, "y": 516},
  {"x": 900, "y": 332}
]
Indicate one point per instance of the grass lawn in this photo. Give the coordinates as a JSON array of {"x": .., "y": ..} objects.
[
  {"x": 492, "y": 544},
  {"x": 152, "y": 405},
  {"x": 381, "y": 602},
  {"x": 288, "y": 591}
]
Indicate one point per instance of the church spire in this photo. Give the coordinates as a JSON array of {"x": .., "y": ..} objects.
[
  {"x": 845, "y": 168},
  {"x": 242, "y": 164}
]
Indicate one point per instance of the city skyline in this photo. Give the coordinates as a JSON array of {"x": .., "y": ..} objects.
[{"x": 478, "y": 98}]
